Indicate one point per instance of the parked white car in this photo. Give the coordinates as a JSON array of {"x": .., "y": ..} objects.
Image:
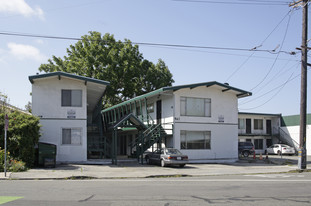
[{"x": 276, "y": 149}]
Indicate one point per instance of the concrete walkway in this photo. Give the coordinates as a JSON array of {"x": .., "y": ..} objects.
[{"x": 274, "y": 164}]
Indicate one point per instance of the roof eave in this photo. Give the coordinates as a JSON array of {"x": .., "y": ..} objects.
[{"x": 59, "y": 74}]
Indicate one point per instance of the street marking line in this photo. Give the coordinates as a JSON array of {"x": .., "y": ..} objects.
[{"x": 5, "y": 199}]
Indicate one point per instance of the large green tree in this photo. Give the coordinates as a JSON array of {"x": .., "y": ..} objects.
[{"x": 120, "y": 63}]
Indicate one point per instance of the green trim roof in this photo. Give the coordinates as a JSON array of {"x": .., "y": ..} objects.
[
  {"x": 241, "y": 93},
  {"x": 59, "y": 73},
  {"x": 260, "y": 114},
  {"x": 208, "y": 84}
]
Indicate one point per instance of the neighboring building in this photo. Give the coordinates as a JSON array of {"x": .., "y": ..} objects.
[
  {"x": 201, "y": 120},
  {"x": 262, "y": 130},
  {"x": 291, "y": 128},
  {"x": 69, "y": 110},
  {"x": 8, "y": 106}
]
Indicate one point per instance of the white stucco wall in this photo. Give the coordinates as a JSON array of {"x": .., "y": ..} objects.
[
  {"x": 52, "y": 133},
  {"x": 224, "y": 135},
  {"x": 46, "y": 98},
  {"x": 224, "y": 141},
  {"x": 46, "y": 103}
]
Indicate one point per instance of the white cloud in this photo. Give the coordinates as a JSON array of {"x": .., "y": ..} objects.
[
  {"x": 22, "y": 51},
  {"x": 20, "y": 7}
]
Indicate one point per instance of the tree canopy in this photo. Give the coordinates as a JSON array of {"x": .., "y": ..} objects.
[{"x": 120, "y": 63}]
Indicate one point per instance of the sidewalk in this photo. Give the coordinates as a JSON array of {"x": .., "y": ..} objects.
[{"x": 275, "y": 164}]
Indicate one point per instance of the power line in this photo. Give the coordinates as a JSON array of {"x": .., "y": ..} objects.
[
  {"x": 223, "y": 53},
  {"x": 272, "y": 66},
  {"x": 281, "y": 87},
  {"x": 249, "y": 57},
  {"x": 146, "y": 43},
  {"x": 262, "y": 3},
  {"x": 268, "y": 92}
]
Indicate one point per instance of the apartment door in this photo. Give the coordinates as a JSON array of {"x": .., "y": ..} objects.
[
  {"x": 268, "y": 126},
  {"x": 159, "y": 111},
  {"x": 248, "y": 126}
]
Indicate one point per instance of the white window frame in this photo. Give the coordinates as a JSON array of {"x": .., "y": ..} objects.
[
  {"x": 195, "y": 106},
  {"x": 150, "y": 108},
  {"x": 257, "y": 125},
  {"x": 241, "y": 123},
  {"x": 75, "y": 136},
  {"x": 75, "y": 98},
  {"x": 187, "y": 137}
]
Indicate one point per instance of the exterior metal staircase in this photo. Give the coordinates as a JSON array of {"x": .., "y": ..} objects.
[{"x": 153, "y": 134}]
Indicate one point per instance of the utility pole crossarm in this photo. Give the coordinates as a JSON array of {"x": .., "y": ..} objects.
[{"x": 296, "y": 3}]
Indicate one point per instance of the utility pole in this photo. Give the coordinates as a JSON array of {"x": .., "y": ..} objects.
[{"x": 302, "y": 152}]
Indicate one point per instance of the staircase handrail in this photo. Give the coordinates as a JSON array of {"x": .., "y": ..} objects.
[{"x": 288, "y": 138}]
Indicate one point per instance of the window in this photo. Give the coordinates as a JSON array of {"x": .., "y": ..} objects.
[
  {"x": 150, "y": 108},
  {"x": 198, "y": 107},
  {"x": 195, "y": 139},
  {"x": 71, "y": 136},
  {"x": 258, "y": 143},
  {"x": 258, "y": 124},
  {"x": 71, "y": 98},
  {"x": 241, "y": 123}
]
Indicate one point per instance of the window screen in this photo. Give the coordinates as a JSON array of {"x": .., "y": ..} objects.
[
  {"x": 72, "y": 136},
  {"x": 258, "y": 124},
  {"x": 199, "y": 107},
  {"x": 195, "y": 139},
  {"x": 71, "y": 98}
]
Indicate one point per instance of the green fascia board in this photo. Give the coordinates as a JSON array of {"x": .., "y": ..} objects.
[
  {"x": 208, "y": 84},
  {"x": 138, "y": 98},
  {"x": 293, "y": 120},
  {"x": 65, "y": 74},
  {"x": 243, "y": 93},
  {"x": 260, "y": 114}
]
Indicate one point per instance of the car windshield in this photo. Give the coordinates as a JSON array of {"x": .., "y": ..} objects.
[{"x": 173, "y": 151}]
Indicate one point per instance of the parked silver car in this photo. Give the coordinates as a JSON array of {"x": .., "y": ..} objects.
[
  {"x": 280, "y": 148},
  {"x": 167, "y": 156}
]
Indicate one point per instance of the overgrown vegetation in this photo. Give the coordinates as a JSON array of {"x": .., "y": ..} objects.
[{"x": 22, "y": 136}]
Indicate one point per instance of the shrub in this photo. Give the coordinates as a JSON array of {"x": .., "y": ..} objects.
[
  {"x": 12, "y": 164},
  {"x": 22, "y": 135}
]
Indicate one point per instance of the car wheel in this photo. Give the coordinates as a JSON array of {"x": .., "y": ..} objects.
[
  {"x": 162, "y": 163},
  {"x": 182, "y": 165},
  {"x": 279, "y": 152},
  {"x": 148, "y": 160},
  {"x": 245, "y": 153},
  {"x": 266, "y": 152}
]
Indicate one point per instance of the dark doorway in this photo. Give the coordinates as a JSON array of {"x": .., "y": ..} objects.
[
  {"x": 248, "y": 126},
  {"x": 268, "y": 126},
  {"x": 122, "y": 145},
  {"x": 269, "y": 142},
  {"x": 159, "y": 111}
]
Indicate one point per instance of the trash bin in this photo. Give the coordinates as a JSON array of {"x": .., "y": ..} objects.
[{"x": 47, "y": 154}]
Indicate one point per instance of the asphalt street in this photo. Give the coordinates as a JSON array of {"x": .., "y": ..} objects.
[{"x": 256, "y": 189}]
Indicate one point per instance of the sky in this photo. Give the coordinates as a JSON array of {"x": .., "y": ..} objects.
[{"x": 249, "y": 44}]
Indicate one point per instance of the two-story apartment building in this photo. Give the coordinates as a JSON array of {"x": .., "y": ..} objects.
[
  {"x": 200, "y": 119},
  {"x": 69, "y": 109},
  {"x": 262, "y": 130}
]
